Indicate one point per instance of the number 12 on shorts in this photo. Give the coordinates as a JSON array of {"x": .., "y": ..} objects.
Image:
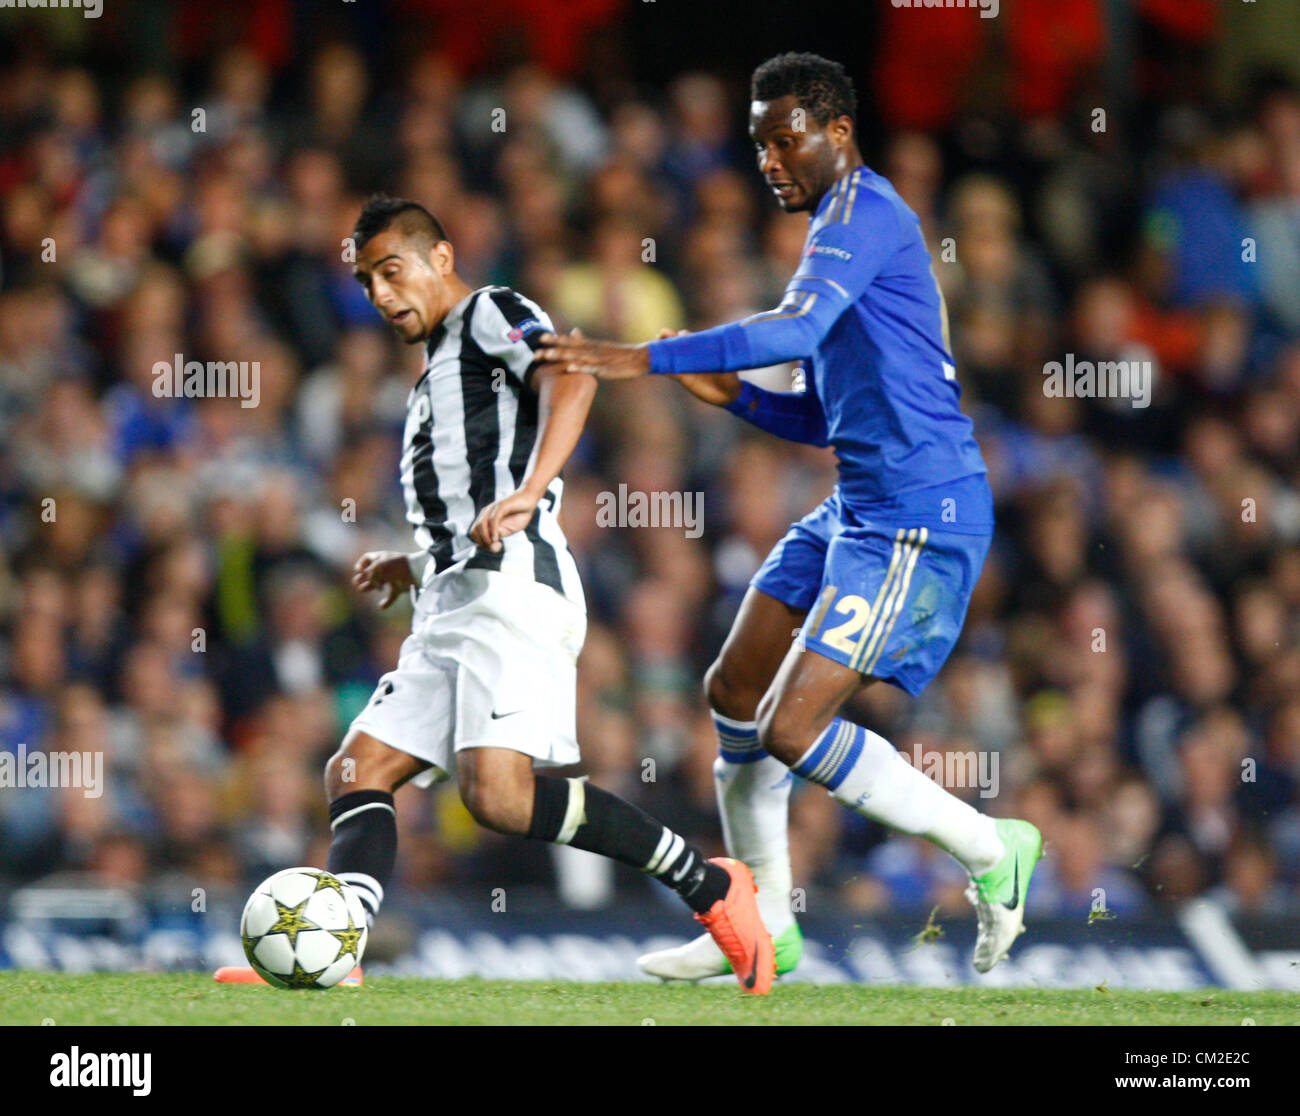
[{"x": 841, "y": 636}]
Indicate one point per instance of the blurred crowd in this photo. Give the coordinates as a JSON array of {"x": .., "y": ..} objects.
[{"x": 173, "y": 582}]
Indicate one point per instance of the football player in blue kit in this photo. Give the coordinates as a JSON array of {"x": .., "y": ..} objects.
[{"x": 877, "y": 579}]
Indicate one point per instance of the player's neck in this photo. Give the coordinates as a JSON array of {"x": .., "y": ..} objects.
[
  {"x": 845, "y": 165},
  {"x": 457, "y": 291}
]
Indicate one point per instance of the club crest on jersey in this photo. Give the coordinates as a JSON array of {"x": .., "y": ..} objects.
[{"x": 524, "y": 328}]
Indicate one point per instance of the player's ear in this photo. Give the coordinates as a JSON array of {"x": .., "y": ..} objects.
[
  {"x": 443, "y": 256},
  {"x": 841, "y": 130}
]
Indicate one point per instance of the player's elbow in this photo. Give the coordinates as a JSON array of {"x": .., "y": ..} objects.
[
  {"x": 814, "y": 326},
  {"x": 797, "y": 339},
  {"x": 807, "y": 328}
]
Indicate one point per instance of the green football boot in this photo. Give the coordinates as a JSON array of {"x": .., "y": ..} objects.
[{"x": 999, "y": 895}]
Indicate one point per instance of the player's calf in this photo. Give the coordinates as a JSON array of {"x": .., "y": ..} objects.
[
  {"x": 753, "y": 787},
  {"x": 720, "y": 892},
  {"x": 360, "y": 779},
  {"x": 788, "y": 724},
  {"x": 862, "y": 769},
  {"x": 501, "y": 790},
  {"x": 573, "y": 812}
]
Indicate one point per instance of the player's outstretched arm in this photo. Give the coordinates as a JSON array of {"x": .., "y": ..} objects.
[
  {"x": 609, "y": 360},
  {"x": 563, "y": 404},
  {"x": 715, "y": 388},
  {"x": 794, "y": 416},
  {"x": 790, "y": 332},
  {"x": 839, "y": 262}
]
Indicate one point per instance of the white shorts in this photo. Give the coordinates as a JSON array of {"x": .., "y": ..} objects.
[{"x": 491, "y": 661}]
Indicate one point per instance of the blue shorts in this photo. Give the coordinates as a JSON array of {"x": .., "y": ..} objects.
[{"x": 884, "y": 598}]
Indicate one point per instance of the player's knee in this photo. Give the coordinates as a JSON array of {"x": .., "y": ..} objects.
[
  {"x": 338, "y": 769},
  {"x": 346, "y": 771},
  {"x": 356, "y": 766},
  {"x": 713, "y": 686},
  {"x": 781, "y": 730},
  {"x": 725, "y": 696}
]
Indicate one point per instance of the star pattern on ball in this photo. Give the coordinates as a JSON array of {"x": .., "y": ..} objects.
[
  {"x": 325, "y": 881},
  {"x": 349, "y": 940},
  {"x": 291, "y": 921},
  {"x": 300, "y": 978}
]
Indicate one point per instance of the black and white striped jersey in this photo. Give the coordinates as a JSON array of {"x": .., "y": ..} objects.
[{"x": 471, "y": 426}]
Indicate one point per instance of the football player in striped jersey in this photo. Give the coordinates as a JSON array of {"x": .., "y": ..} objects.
[{"x": 485, "y": 686}]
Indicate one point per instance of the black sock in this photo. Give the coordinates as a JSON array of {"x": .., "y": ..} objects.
[
  {"x": 365, "y": 844},
  {"x": 573, "y": 812}
]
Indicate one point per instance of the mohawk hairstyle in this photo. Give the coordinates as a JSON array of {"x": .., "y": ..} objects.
[
  {"x": 411, "y": 219},
  {"x": 821, "y": 86}
]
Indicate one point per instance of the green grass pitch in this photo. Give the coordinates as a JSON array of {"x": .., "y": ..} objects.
[{"x": 28, "y": 998}]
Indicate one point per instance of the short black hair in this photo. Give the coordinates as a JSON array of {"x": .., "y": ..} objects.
[
  {"x": 382, "y": 212},
  {"x": 821, "y": 86}
]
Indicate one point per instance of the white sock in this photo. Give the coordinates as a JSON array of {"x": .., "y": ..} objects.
[
  {"x": 753, "y": 798},
  {"x": 864, "y": 771}
]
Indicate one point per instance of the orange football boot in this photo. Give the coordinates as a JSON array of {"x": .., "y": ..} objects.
[
  {"x": 237, "y": 974},
  {"x": 737, "y": 927},
  {"x": 244, "y": 974}
]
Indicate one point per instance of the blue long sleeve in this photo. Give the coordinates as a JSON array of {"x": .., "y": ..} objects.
[
  {"x": 790, "y": 332},
  {"x": 796, "y": 416},
  {"x": 865, "y": 314},
  {"x": 840, "y": 260}
]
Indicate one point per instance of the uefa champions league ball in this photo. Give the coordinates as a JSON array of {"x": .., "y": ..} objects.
[{"x": 303, "y": 928}]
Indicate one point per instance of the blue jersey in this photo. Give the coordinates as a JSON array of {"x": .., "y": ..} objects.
[{"x": 865, "y": 314}]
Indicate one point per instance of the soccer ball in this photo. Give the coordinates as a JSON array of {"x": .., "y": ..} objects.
[{"x": 303, "y": 928}]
